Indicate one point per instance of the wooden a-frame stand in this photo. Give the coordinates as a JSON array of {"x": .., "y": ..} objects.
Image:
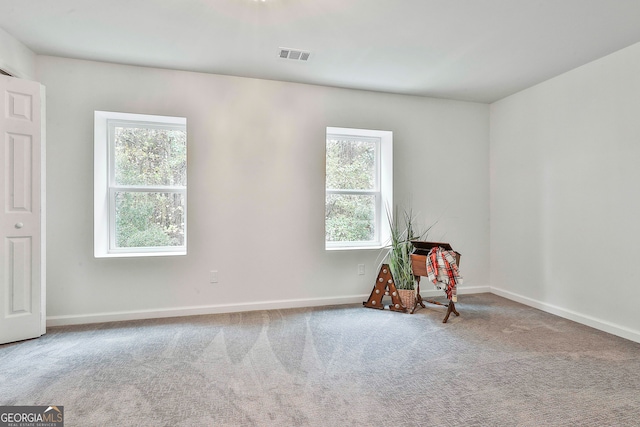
[{"x": 385, "y": 286}]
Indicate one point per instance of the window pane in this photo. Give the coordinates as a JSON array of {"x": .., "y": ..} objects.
[
  {"x": 350, "y": 218},
  {"x": 149, "y": 219},
  {"x": 150, "y": 156},
  {"x": 351, "y": 164}
]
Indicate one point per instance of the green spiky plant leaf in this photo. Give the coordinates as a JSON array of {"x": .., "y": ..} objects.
[{"x": 403, "y": 231}]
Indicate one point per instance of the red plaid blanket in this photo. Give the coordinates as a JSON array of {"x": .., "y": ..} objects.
[{"x": 442, "y": 270}]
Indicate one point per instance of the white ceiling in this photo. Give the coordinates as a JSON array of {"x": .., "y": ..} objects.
[{"x": 476, "y": 50}]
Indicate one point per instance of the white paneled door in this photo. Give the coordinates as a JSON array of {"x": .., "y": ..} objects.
[{"x": 22, "y": 256}]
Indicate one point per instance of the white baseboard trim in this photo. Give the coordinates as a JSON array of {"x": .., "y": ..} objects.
[
  {"x": 601, "y": 325},
  {"x": 119, "y": 316},
  {"x": 434, "y": 293}
]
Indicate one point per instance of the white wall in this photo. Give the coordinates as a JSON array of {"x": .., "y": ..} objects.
[
  {"x": 565, "y": 181},
  {"x": 256, "y": 189},
  {"x": 15, "y": 57}
]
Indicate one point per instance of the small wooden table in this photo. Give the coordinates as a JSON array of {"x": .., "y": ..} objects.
[{"x": 419, "y": 267}]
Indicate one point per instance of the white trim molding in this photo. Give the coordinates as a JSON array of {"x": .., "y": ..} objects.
[
  {"x": 80, "y": 319},
  {"x": 120, "y": 316},
  {"x": 583, "y": 319}
]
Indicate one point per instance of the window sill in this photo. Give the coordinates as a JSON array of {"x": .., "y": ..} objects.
[
  {"x": 139, "y": 254},
  {"x": 353, "y": 248}
]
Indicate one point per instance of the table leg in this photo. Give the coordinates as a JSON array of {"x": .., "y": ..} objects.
[{"x": 451, "y": 308}]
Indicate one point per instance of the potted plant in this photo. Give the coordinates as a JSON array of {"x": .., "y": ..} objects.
[{"x": 403, "y": 231}]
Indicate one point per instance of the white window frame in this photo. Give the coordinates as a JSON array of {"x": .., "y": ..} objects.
[
  {"x": 105, "y": 188},
  {"x": 383, "y": 189}
]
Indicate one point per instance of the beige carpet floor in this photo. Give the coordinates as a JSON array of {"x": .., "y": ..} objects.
[{"x": 498, "y": 364}]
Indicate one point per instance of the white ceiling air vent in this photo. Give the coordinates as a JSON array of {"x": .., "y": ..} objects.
[{"x": 293, "y": 54}]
